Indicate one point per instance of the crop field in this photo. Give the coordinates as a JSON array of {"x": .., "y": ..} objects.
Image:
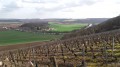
[
  {"x": 65, "y": 27},
  {"x": 17, "y": 37}
]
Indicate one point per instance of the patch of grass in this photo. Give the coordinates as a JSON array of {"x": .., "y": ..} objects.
[
  {"x": 14, "y": 37},
  {"x": 65, "y": 27}
]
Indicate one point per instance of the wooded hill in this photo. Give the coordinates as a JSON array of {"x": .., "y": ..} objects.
[{"x": 35, "y": 26}]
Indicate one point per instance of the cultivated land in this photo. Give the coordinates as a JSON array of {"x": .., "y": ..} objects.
[
  {"x": 66, "y": 27},
  {"x": 16, "y": 37}
]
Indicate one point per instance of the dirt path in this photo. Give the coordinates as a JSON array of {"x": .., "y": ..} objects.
[{"x": 16, "y": 46}]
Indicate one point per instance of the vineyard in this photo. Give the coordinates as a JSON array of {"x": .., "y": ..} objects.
[{"x": 95, "y": 50}]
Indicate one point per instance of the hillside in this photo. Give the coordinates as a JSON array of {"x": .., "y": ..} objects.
[
  {"x": 10, "y": 20},
  {"x": 108, "y": 25}
]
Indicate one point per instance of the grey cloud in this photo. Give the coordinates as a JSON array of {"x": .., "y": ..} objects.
[
  {"x": 83, "y": 2},
  {"x": 31, "y": 1},
  {"x": 40, "y": 1},
  {"x": 88, "y": 2},
  {"x": 57, "y": 8},
  {"x": 118, "y": 2},
  {"x": 69, "y": 5},
  {"x": 10, "y": 6},
  {"x": 50, "y": 1}
]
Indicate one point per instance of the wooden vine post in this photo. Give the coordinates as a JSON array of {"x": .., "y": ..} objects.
[
  {"x": 53, "y": 62},
  {"x": 33, "y": 52},
  {"x": 12, "y": 58},
  {"x": 106, "y": 56},
  {"x": 62, "y": 53},
  {"x": 113, "y": 44},
  {"x": 83, "y": 55}
]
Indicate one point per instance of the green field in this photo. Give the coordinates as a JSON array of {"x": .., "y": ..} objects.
[
  {"x": 65, "y": 27},
  {"x": 15, "y": 37}
]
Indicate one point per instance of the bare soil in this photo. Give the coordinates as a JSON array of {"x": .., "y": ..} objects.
[{"x": 17, "y": 46}]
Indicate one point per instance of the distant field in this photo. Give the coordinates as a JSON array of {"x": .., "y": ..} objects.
[
  {"x": 65, "y": 27},
  {"x": 16, "y": 37},
  {"x": 10, "y": 24}
]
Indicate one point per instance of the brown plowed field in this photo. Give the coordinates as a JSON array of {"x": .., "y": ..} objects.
[{"x": 17, "y": 46}]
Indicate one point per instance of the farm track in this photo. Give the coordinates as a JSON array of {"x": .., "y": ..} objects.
[{"x": 18, "y": 46}]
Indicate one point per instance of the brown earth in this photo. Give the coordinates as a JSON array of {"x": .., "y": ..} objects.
[{"x": 17, "y": 46}]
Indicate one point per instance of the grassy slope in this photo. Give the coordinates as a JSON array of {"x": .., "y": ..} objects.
[
  {"x": 14, "y": 37},
  {"x": 65, "y": 27}
]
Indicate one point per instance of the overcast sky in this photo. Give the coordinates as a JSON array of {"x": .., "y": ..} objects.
[{"x": 59, "y": 8}]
